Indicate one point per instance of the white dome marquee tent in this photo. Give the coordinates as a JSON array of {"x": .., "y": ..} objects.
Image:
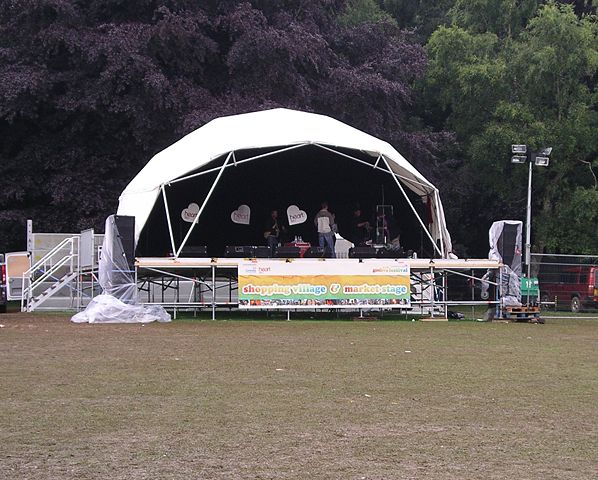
[{"x": 215, "y": 147}]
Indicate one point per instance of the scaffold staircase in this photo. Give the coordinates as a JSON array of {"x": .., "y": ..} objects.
[{"x": 55, "y": 279}]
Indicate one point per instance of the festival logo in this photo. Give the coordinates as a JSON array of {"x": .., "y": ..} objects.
[
  {"x": 295, "y": 215},
  {"x": 400, "y": 269},
  {"x": 241, "y": 215},
  {"x": 189, "y": 213}
]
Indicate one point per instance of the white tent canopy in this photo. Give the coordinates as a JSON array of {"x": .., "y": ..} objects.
[{"x": 281, "y": 129}]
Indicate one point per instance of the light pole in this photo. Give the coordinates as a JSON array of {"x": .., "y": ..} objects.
[{"x": 541, "y": 158}]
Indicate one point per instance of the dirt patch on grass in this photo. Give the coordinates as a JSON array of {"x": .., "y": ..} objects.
[{"x": 274, "y": 400}]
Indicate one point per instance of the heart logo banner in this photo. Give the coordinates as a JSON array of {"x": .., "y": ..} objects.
[
  {"x": 295, "y": 215},
  {"x": 189, "y": 213},
  {"x": 241, "y": 215}
]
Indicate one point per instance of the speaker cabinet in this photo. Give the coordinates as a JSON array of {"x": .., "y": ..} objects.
[
  {"x": 125, "y": 231},
  {"x": 317, "y": 252},
  {"x": 391, "y": 253},
  {"x": 194, "y": 251},
  {"x": 238, "y": 251},
  {"x": 262, "y": 251},
  {"x": 362, "y": 252},
  {"x": 248, "y": 251},
  {"x": 507, "y": 245},
  {"x": 288, "y": 252}
]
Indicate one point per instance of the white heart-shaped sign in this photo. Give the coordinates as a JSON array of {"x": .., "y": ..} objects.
[
  {"x": 189, "y": 213},
  {"x": 295, "y": 215},
  {"x": 241, "y": 215}
]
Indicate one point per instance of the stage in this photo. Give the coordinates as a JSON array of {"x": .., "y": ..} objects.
[
  {"x": 230, "y": 283},
  {"x": 414, "y": 263}
]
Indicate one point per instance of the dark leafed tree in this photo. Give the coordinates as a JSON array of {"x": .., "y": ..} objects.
[{"x": 90, "y": 90}]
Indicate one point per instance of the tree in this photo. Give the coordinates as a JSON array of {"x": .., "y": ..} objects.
[
  {"x": 425, "y": 16},
  {"x": 505, "y": 18},
  {"x": 363, "y": 11},
  {"x": 89, "y": 91},
  {"x": 537, "y": 88},
  {"x": 466, "y": 77}
]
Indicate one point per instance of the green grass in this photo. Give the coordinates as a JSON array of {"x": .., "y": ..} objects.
[{"x": 300, "y": 399}]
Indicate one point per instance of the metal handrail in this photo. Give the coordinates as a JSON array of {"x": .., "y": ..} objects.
[
  {"x": 48, "y": 273},
  {"x": 28, "y": 292},
  {"x": 49, "y": 255},
  {"x": 40, "y": 265}
]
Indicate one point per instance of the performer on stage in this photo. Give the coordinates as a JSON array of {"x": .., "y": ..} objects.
[
  {"x": 273, "y": 230},
  {"x": 324, "y": 222},
  {"x": 359, "y": 231}
]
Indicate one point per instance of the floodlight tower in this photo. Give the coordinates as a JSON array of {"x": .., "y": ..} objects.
[{"x": 541, "y": 158}]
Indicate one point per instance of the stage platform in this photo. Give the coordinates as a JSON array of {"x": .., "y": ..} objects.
[
  {"x": 219, "y": 262},
  {"x": 200, "y": 283}
]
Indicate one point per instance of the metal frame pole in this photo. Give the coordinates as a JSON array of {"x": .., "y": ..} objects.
[
  {"x": 203, "y": 205},
  {"x": 432, "y": 289},
  {"x": 425, "y": 186},
  {"x": 213, "y": 292},
  {"x": 238, "y": 162},
  {"x": 528, "y": 220},
  {"x": 168, "y": 219},
  {"x": 412, "y": 207},
  {"x": 528, "y": 227},
  {"x": 444, "y": 292},
  {"x": 440, "y": 221}
]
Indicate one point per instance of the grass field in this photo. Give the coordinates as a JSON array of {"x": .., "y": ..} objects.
[{"x": 300, "y": 399}]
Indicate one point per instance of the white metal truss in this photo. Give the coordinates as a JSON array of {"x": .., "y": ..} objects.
[
  {"x": 168, "y": 218},
  {"x": 203, "y": 205},
  {"x": 238, "y": 162},
  {"x": 415, "y": 211}
]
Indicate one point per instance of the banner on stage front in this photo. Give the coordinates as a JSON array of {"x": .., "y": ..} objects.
[{"x": 325, "y": 284}]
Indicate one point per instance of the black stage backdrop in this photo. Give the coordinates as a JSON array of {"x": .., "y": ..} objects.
[{"x": 304, "y": 177}]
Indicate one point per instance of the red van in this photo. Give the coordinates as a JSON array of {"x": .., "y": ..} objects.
[{"x": 574, "y": 287}]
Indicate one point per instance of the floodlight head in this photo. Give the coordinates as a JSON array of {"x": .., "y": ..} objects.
[
  {"x": 545, "y": 152},
  {"x": 519, "y": 149},
  {"x": 542, "y": 161},
  {"x": 518, "y": 159}
]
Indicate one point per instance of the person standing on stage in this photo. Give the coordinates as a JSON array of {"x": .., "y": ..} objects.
[
  {"x": 359, "y": 229},
  {"x": 273, "y": 230},
  {"x": 324, "y": 221}
]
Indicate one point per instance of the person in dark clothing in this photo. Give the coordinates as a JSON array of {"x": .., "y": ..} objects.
[
  {"x": 393, "y": 230},
  {"x": 359, "y": 230},
  {"x": 273, "y": 230}
]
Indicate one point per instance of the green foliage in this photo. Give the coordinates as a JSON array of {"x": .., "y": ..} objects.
[
  {"x": 498, "y": 77},
  {"x": 571, "y": 228},
  {"x": 502, "y": 17},
  {"x": 557, "y": 57},
  {"x": 423, "y": 15},
  {"x": 465, "y": 77}
]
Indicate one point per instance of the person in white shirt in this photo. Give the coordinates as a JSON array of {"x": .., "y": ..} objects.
[{"x": 324, "y": 222}]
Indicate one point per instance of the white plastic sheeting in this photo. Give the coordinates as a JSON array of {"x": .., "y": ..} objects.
[
  {"x": 511, "y": 277},
  {"x": 269, "y": 128},
  {"x": 109, "y": 309},
  {"x": 119, "y": 301}
]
